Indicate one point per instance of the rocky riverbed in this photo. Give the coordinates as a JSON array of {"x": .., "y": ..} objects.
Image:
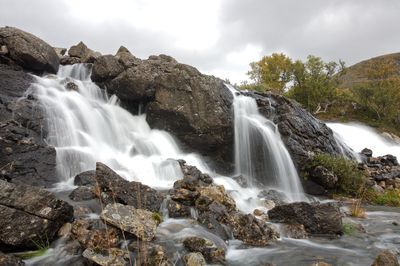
[{"x": 101, "y": 217}]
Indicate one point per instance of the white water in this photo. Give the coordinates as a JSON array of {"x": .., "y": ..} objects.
[
  {"x": 86, "y": 127},
  {"x": 358, "y": 137},
  {"x": 260, "y": 154}
]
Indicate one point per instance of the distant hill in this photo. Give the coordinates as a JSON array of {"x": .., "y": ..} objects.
[{"x": 357, "y": 73}]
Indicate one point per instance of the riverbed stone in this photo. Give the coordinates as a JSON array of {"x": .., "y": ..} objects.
[
  {"x": 141, "y": 223},
  {"x": 386, "y": 258}
]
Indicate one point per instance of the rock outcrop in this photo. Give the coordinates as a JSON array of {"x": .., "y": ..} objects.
[
  {"x": 196, "y": 108},
  {"x": 317, "y": 219},
  {"x": 29, "y": 215},
  {"x": 27, "y": 51},
  {"x": 79, "y": 53},
  {"x": 24, "y": 156}
]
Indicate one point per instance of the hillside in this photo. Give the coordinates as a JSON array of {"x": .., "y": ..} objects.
[{"x": 357, "y": 74}]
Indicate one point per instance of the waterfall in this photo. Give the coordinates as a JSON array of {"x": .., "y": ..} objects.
[
  {"x": 260, "y": 154},
  {"x": 86, "y": 126}
]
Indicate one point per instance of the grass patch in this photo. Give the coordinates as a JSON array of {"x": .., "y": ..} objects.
[
  {"x": 42, "y": 246},
  {"x": 350, "y": 178},
  {"x": 356, "y": 210},
  {"x": 388, "y": 198}
]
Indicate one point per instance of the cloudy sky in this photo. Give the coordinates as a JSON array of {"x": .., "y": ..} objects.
[{"x": 219, "y": 37}]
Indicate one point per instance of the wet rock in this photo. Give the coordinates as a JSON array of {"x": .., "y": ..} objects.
[
  {"x": 91, "y": 234},
  {"x": 10, "y": 260},
  {"x": 194, "y": 259},
  {"x": 82, "y": 193},
  {"x": 157, "y": 256},
  {"x": 211, "y": 253},
  {"x": 178, "y": 210},
  {"x": 24, "y": 156},
  {"x": 324, "y": 177},
  {"x": 112, "y": 256},
  {"x": 251, "y": 230},
  {"x": 71, "y": 86},
  {"x": 277, "y": 197},
  {"x": 217, "y": 194},
  {"x": 29, "y": 214},
  {"x": 241, "y": 180},
  {"x": 87, "y": 178},
  {"x": 130, "y": 193},
  {"x": 185, "y": 196},
  {"x": 139, "y": 222},
  {"x": 296, "y": 231},
  {"x": 386, "y": 258},
  {"x": 367, "y": 152},
  {"x": 65, "y": 230},
  {"x": 28, "y": 51},
  {"x": 318, "y": 219}
]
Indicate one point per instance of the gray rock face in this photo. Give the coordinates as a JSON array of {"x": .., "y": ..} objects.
[
  {"x": 130, "y": 193},
  {"x": 24, "y": 156},
  {"x": 317, "y": 219},
  {"x": 28, "y": 215},
  {"x": 139, "y": 222},
  {"x": 196, "y": 108},
  {"x": 324, "y": 177},
  {"x": 28, "y": 51}
]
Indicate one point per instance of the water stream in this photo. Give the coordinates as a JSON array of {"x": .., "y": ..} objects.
[{"x": 86, "y": 126}]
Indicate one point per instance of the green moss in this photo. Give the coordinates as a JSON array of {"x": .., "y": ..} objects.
[
  {"x": 157, "y": 217},
  {"x": 350, "y": 178},
  {"x": 349, "y": 229}
]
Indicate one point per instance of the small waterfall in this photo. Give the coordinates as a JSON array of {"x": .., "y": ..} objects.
[
  {"x": 86, "y": 126},
  {"x": 260, "y": 154}
]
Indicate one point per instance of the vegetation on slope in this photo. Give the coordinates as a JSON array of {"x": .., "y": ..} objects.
[{"x": 368, "y": 92}]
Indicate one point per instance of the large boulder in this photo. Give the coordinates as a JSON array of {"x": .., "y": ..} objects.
[
  {"x": 116, "y": 189},
  {"x": 28, "y": 51},
  {"x": 24, "y": 156},
  {"x": 196, "y": 108},
  {"x": 386, "y": 258},
  {"x": 29, "y": 215},
  {"x": 317, "y": 219}
]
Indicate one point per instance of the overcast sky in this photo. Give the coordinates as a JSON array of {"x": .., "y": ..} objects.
[{"x": 219, "y": 37}]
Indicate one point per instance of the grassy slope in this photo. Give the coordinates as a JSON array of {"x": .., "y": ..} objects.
[{"x": 345, "y": 112}]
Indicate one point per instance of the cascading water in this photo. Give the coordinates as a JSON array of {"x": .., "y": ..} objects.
[
  {"x": 85, "y": 126},
  {"x": 260, "y": 153}
]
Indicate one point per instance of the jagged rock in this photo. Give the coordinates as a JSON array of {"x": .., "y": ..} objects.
[
  {"x": 125, "y": 57},
  {"x": 106, "y": 67},
  {"x": 29, "y": 214},
  {"x": 10, "y": 260},
  {"x": 324, "y": 177},
  {"x": 107, "y": 257},
  {"x": 177, "y": 210},
  {"x": 72, "y": 86},
  {"x": 251, "y": 230},
  {"x": 91, "y": 234},
  {"x": 130, "y": 193},
  {"x": 87, "y": 178},
  {"x": 24, "y": 156},
  {"x": 139, "y": 222},
  {"x": 217, "y": 194},
  {"x": 29, "y": 51},
  {"x": 211, "y": 253},
  {"x": 194, "y": 259},
  {"x": 82, "y": 52},
  {"x": 386, "y": 258},
  {"x": 82, "y": 193},
  {"x": 318, "y": 219}
]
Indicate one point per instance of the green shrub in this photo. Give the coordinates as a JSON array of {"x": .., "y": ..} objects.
[{"x": 350, "y": 178}]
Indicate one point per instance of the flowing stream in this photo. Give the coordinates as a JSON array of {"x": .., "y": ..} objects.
[
  {"x": 86, "y": 126},
  {"x": 358, "y": 136},
  {"x": 260, "y": 154}
]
